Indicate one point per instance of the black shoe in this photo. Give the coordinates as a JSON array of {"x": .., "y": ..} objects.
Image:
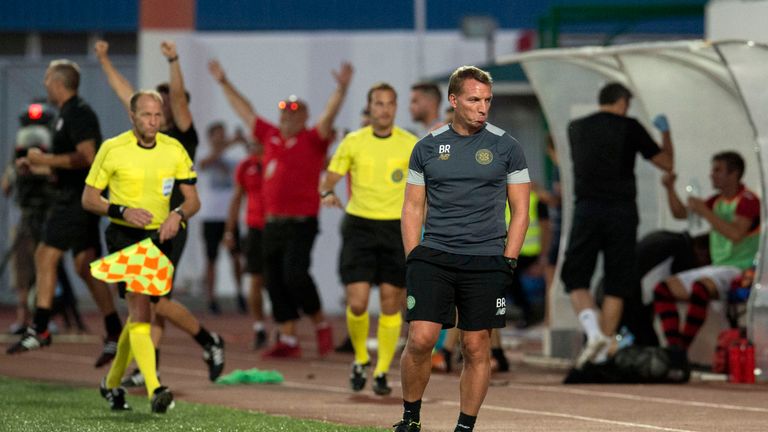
[
  {"x": 260, "y": 339},
  {"x": 31, "y": 340},
  {"x": 407, "y": 426},
  {"x": 213, "y": 307},
  {"x": 115, "y": 396},
  {"x": 358, "y": 377},
  {"x": 213, "y": 354},
  {"x": 380, "y": 386},
  {"x": 108, "y": 352},
  {"x": 242, "y": 306},
  {"x": 345, "y": 347},
  {"x": 135, "y": 379},
  {"x": 162, "y": 400}
]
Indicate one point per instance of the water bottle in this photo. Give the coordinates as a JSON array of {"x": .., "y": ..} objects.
[
  {"x": 734, "y": 363},
  {"x": 624, "y": 338},
  {"x": 748, "y": 362},
  {"x": 693, "y": 188}
]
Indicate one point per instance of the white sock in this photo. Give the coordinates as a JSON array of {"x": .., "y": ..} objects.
[
  {"x": 590, "y": 324},
  {"x": 258, "y": 326},
  {"x": 289, "y": 340}
]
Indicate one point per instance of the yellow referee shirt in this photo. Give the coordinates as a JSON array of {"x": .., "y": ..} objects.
[
  {"x": 378, "y": 167},
  {"x": 139, "y": 177}
]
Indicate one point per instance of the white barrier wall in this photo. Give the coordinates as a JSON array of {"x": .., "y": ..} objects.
[
  {"x": 267, "y": 67},
  {"x": 737, "y": 19}
]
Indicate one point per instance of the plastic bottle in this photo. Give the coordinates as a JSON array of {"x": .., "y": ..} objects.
[
  {"x": 734, "y": 363},
  {"x": 748, "y": 362},
  {"x": 693, "y": 189}
]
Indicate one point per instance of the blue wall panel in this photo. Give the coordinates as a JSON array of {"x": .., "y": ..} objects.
[{"x": 69, "y": 15}]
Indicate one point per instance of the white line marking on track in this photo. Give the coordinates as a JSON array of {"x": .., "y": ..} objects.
[
  {"x": 637, "y": 398},
  {"x": 573, "y": 417}
]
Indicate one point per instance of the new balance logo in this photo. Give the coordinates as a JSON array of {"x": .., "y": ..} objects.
[{"x": 501, "y": 306}]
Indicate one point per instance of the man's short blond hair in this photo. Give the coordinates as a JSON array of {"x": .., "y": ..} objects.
[
  {"x": 151, "y": 93},
  {"x": 67, "y": 72}
]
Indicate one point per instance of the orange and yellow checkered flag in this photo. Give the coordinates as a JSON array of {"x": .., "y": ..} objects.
[{"x": 142, "y": 266}]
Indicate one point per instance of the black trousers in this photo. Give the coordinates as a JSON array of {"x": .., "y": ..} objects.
[{"x": 287, "y": 258}]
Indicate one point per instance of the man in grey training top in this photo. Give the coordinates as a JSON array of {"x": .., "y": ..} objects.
[{"x": 465, "y": 172}]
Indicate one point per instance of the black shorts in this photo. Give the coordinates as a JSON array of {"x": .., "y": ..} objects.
[
  {"x": 372, "y": 251},
  {"x": 119, "y": 236},
  {"x": 69, "y": 226},
  {"x": 213, "y": 233},
  {"x": 441, "y": 284},
  {"x": 254, "y": 252},
  {"x": 610, "y": 228}
]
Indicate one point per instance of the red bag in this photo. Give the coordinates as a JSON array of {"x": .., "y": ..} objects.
[{"x": 725, "y": 339}]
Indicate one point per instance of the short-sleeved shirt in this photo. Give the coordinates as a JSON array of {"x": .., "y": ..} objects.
[
  {"x": 378, "y": 167},
  {"x": 603, "y": 149},
  {"x": 466, "y": 181},
  {"x": 292, "y": 169},
  {"x": 249, "y": 176},
  {"x": 190, "y": 141},
  {"x": 725, "y": 252},
  {"x": 76, "y": 123},
  {"x": 139, "y": 177}
]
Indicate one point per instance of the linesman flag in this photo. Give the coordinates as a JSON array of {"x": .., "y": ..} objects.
[{"x": 142, "y": 266}]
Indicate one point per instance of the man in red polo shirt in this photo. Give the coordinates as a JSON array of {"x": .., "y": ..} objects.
[{"x": 294, "y": 156}]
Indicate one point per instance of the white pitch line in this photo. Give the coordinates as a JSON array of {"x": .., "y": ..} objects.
[
  {"x": 654, "y": 399},
  {"x": 573, "y": 417}
]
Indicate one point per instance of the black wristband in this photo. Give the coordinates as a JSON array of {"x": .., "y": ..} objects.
[
  {"x": 173, "y": 59},
  {"x": 115, "y": 211},
  {"x": 327, "y": 193}
]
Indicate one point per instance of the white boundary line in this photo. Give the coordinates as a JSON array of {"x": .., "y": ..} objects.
[
  {"x": 572, "y": 417},
  {"x": 666, "y": 401}
]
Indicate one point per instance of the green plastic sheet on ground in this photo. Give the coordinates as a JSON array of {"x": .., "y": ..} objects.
[{"x": 251, "y": 376}]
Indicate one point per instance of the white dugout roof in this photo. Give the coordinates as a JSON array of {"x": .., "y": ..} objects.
[{"x": 715, "y": 97}]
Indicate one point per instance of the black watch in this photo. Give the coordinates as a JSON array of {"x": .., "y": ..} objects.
[
  {"x": 181, "y": 213},
  {"x": 511, "y": 262},
  {"x": 324, "y": 194}
]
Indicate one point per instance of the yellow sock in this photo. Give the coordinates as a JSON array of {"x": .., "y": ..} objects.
[
  {"x": 121, "y": 361},
  {"x": 144, "y": 353},
  {"x": 388, "y": 335},
  {"x": 357, "y": 326}
]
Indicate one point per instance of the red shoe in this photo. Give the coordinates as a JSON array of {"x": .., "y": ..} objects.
[
  {"x": 324, "y": 340},
  {"x": 282, "y": 350}
]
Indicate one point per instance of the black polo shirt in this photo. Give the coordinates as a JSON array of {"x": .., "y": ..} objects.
[
  {"x": 76, "y": 123},
  {"x": 603, "y": 149}
]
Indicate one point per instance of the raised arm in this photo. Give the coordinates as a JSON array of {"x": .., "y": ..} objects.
[
  {"x": 412, "y": 217},
  {"x": 342, "y": 77},
  {"x": 120, "y": 85},
  {"x": 664, "y": 160},
  {"x": 518, "y": 195},
  {"x": 237, "y": 101},
  {"x": 179, "y": 103},
  {"x": 676, "y": 206}
]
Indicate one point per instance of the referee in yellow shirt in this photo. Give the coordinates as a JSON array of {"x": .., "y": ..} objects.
[
  {"x": 376, "y": 157},
  {"x": 140, "y": 168}
]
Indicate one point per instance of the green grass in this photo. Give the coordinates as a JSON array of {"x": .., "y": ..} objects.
[{"x": 27, "y": 406}]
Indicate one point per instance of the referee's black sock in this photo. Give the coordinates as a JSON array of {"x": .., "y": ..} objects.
[
  {"x": 113, "y": 326},
  {"x": 466, "y": 423},
  {"x": 204, "y": 338},
  {"x": 42, "y": 319},
  {"x": 412, "y": 411}
]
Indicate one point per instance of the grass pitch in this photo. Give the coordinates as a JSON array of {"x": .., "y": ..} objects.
[{"x": 27, "y": 406}]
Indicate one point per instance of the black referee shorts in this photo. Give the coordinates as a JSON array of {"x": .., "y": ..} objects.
[
  {"x": 372, "y": 251},
  {"x": 607, "y": 227},
  {"x": 440, "y": 284},
  {"x": 119, "y": 237}
]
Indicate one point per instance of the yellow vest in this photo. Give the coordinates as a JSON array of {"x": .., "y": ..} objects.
[{"x": 532, "y": 242}]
